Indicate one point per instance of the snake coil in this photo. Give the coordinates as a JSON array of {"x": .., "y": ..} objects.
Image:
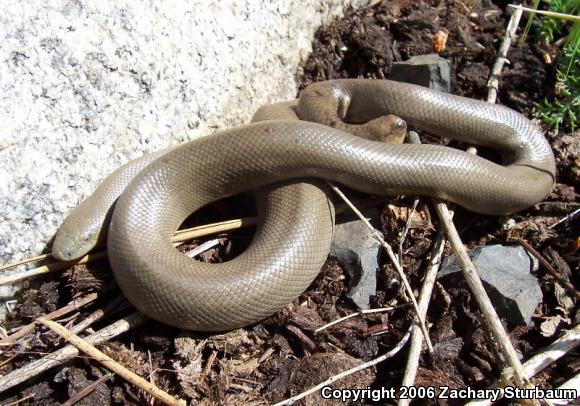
[{"x": 281, "y": 156}]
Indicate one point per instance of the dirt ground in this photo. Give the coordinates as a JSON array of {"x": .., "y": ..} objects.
[{"x": 282, "y": 356}]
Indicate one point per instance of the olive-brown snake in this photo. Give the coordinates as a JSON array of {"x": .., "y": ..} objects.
[{"x": 280, "y": 158}]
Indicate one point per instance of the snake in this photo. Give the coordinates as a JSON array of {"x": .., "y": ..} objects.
[{"x": 335, "y": 131}]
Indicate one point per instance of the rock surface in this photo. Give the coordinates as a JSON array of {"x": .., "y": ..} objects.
[
  {"x": 86, "y": 86},
  {"x": 505, "y": 273},
  {"x": 430, "y": 71},
  {"x": 358, "y": 252}
]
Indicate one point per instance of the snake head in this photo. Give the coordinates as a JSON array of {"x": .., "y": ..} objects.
[
  {"x": 80, "y": 232},
  {"x": 69, "y": 246},
  {"x": 389, "y": 129}
]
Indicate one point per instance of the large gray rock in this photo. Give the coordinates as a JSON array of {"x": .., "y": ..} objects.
[
  {"x": 358, "y": 253},
  {"x": 506, "y": 275},
  {"x": 430, "y": 71},
  {"x": 86, "y": 86}
]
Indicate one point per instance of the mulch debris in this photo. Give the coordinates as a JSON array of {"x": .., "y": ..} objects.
[{"x": 282, "y": 356}]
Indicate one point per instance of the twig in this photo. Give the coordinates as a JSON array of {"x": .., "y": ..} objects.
[
  {"x": 407, "y": 228},
  {"x": 424, "y": 297},
  {"x": 25, "y": 261},
  {"x": 566, "y": 218},
  {"x": 86, "y": 391},
  {"x": 17, "y": 402},
  {"x": 485, "y": 306},
  {"x": 379, "y": 237},
  {"x": 566, "y": 343},
  {"x": 99, "y": 314},
  {"x": 567, "y": 285},
  {"x": 76, "y": 304},
  {"x": 57, "y": 266},
  {"x": 359, "y": 313},
  {"x": 210, "y": 361},
  {"x": 111, "y": 364},
  {"x": 493, "y": 82},
  {"x": 569, "y": 17},
  {"x": 215, "y": 228},
  {"x": 202, "y": 248},
  {"x": 351, "y": 371},
  {"x": 69, "y": 352},
  {"x": 306, "y": 342},
  {"x": 571, "y": 384}
]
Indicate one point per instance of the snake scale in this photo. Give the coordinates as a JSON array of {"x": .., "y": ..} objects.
[{"x": 282, "y": 156}]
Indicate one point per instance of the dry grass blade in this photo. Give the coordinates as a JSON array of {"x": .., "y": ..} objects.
[
  {"x": 25, "y": 261},
  {"x": 547, "y": 13},
  {"x": 566, "y": 218},
  {"x": 490, "y": 317},
  {"x": 57, "y": 266},
  {"x": 359, "y": 313}
]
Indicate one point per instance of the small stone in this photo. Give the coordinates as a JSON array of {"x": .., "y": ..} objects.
[
  {"x": 358, "y": 252},
  {"x": 506, "y": 274},
  {"x": 430, "y": 71}
]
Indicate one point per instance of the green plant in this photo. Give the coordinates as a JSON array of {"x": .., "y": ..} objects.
[
  {"x": 563, "y": 111},
  {"x": 548, "y": 27}
]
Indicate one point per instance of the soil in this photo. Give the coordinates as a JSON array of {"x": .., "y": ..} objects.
[{"x": 282, "y": 356}]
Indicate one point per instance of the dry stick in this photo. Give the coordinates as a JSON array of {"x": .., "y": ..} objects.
[
  {"x": 17, "y": 402},
  {"x": 86, "y": 391},
  {"x": 493, "y": 82},
  {"x": 69, "y": 352},
  {"x": 570, "y": 385},
  {"x": 424, "y": 297},
  {"x": 57, "y": 266},
  {"x": 548, "y": 267},
  {"x": 351, "y": 371},
  {"x": 567, "y": 342},
  {"x": 202, "y": 248},
  {"x": 546, "y": 357},
  {"x": 406, "y": 229},
  {"x": 566, "y": 218},
  {"x": 119, "y": 303},
  {"x": 563, "y": 16},
  {"x": 379, "y": 237},
  {"x": 76, "y": 304},
  {"x": 25, "y": 261},
  {"x": 111, "y": 364},
  {"x": 208, "y": 229},
  {"x": 485, "y": 306},
  {"x": 359, "y": 313}
]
